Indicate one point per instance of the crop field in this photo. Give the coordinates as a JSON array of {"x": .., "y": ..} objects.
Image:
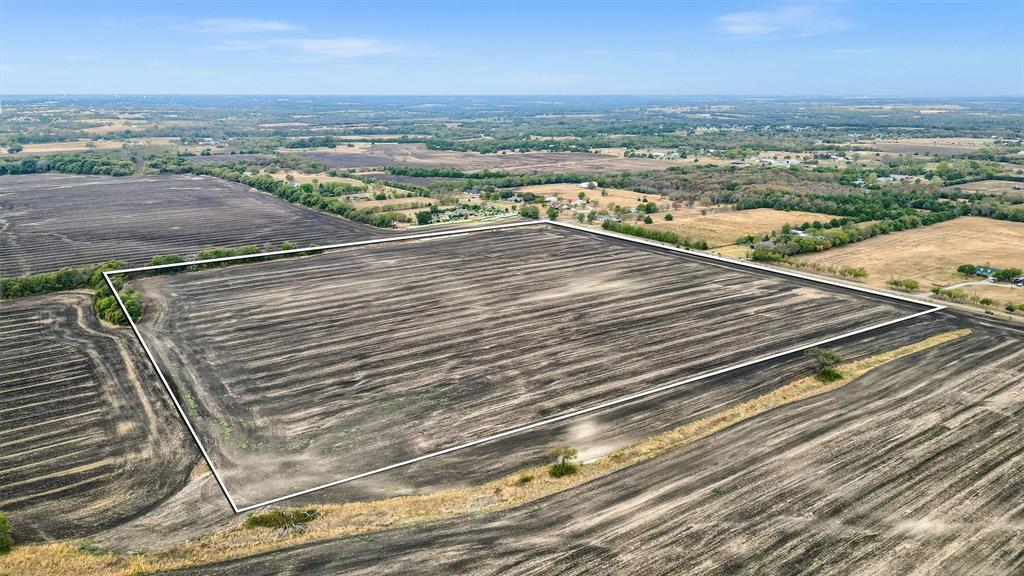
[
  {"x": 418, "y": 155},
  {"x": 87, "y": 431},
  {"x": 920, "y": 456},
  {"x": 304, "y": 371},
  {"x": 51, "y": 221},
  {"x": 931, "y": 254}
]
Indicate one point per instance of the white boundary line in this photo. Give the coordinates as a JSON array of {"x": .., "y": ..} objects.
[{"x": 533, "y": 425}]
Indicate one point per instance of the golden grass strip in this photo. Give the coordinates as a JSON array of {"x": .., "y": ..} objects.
[{"x": 357, "y": 518}]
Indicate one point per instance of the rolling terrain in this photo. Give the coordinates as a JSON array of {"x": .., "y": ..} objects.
[
  {"x": 88, "y": 435},
  {"x": 308, "y": 370},
  {"x": 52, "y": 221},
  {"x": 911, "y": 469}
]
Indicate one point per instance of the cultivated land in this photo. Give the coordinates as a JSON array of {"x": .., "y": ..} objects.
[
  {"x": 304, "y": 371},
  {"x": 930, "y": 146},
  {"x": 51, "y": 221},
  {"x": 931, "y": 254},
  {"x": 418, "y": 155},
  {"x": 913, "y": 468},
  {"x": 87, "y": 434}
]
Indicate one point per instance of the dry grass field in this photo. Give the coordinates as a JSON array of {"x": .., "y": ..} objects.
[
  {"x": 437, "y": 350},
  {"x": 69, "y": 146},
  {"x": 723, "y": 228},
  {"x": 931, "y": 254},
  {"x": 928, "y": 146},
  {"x": 616, "y": 196},
  {"x": 89, "y": 436},
  {"x": 50, "y": 221},
  {"x": 418, "y": 155},
  {"x": 997, "y": 187}
]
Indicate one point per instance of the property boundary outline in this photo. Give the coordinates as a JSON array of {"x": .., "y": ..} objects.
[{"x": 930, "y": 308}]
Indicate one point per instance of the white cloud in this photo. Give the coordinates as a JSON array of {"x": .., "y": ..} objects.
[
  {"x": 240, "y": 25},
  {"x": 799, "y": 20},
  {"x": 345, "y": 47}
]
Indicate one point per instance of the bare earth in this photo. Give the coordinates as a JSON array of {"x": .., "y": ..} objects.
[
  {"x": 912, "y": 469},
  {"x": 51, "y": 221},
  {"x": 304, "y": 371},
  {"x": 88, "y": 434}
]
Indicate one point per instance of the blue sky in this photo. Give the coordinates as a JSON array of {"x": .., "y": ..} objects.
[{"x": 851, "y": 48}]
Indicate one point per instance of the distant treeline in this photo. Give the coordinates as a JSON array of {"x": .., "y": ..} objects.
[
  {"x": 104, "y": 301},
  {"x": 101, "y": 164}
]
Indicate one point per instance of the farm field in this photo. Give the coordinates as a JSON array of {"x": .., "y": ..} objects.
[
  {"x": 418, "y": 155},
  {"x": 83, "y": 145},
  {"x": 920, "y": 455},
  {"x": 929, "y": 146},
  {"x": 931, "y": 254},
  {"x": 89, "y": 436},
  {"x": 616, "y": 196},
  {"x": 724, "y": 227},
  {"x": 51, "y": 221},
  {"x": 438, "y": 351},
  {"x": 996, "y": 187}
]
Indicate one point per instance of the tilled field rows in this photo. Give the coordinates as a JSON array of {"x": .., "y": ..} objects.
[
  {"x": 343, "y": 362},
  {"x": 914, "y": 468},
  {"x": 50, "y": 221},
  {"x": 78, "y": 446}
]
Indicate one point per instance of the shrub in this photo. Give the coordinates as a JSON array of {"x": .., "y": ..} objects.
[
  {"x": 668, "y": 217},
  {"x": 826, "y": 361},
  {"x": 563, "y": 465},
  {"x": 1011, "y": 307},
  {"x": 169, "y": 259},
  {"x": 6, "y": 540},
  {"x": 851, "y": 272},
  {"x": 904, "y": 285},
  {"x": 954, "y": 295},
  {"x": 986, "y": 302},
  {"x": 648, "y": 220},
  {"x": 967, "y": 269},
  {"x": 281, "y": 518},
  {"x": 531, "y": 212},
  {"x": 552, "y": 213}
]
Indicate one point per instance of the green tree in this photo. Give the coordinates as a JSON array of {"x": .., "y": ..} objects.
[
  {"x": 967, "y": 269},
  {"x": 531, "y": 212},
  {"x": 826, "y": 362},
  {"x": 563, "y": 465},
  {"x": 1007, "y": 274},
  {"x": 552, "y": 213},
  {"x": 668, "y": 217},
  {"x": 6, "y": 540},
  {"x": 648, "y": 220}
]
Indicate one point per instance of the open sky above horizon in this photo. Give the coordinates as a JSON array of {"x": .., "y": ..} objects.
[{"x": 912, "y": 49}]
